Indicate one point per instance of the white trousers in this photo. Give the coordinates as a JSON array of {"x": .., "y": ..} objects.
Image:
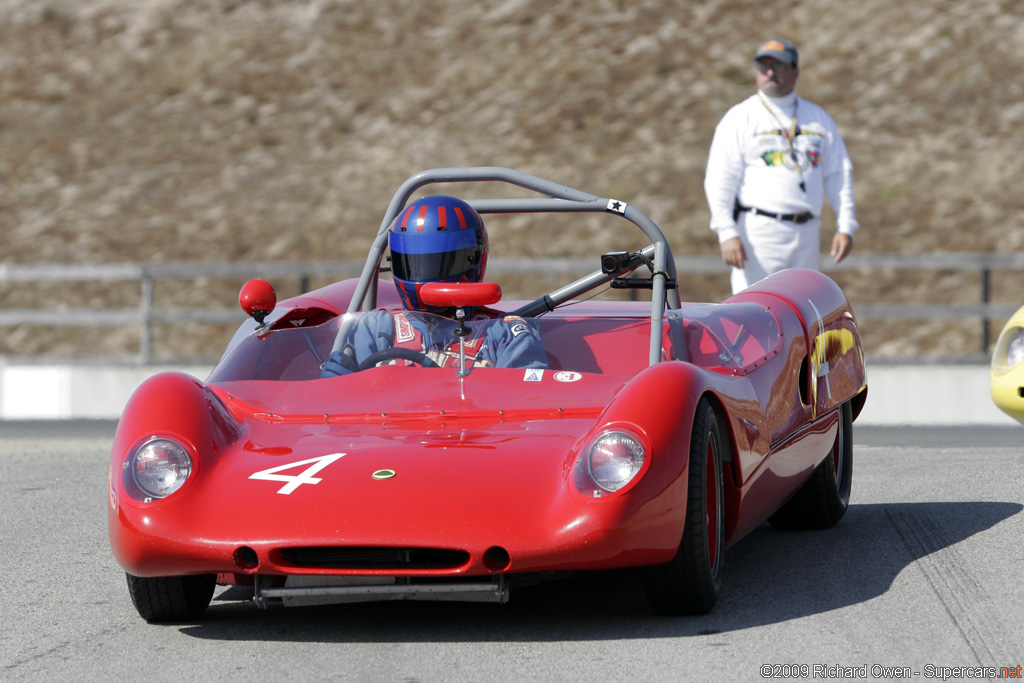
[{"x": 770, "y": 246}]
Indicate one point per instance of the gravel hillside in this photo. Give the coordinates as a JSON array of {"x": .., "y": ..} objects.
[{"x": 212, "y": 130}]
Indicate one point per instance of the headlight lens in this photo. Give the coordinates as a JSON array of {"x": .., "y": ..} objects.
[
  {"x": 614, "y": 459},
  {"x": 160, "y": 467},
  {"x": 1015, "y": 347},
  {"x": 1009, "y": 350}
]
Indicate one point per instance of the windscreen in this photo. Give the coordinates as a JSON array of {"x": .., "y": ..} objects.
[
  {"x": 725, "y": 335},
  {"x": 284, "y": 352}
]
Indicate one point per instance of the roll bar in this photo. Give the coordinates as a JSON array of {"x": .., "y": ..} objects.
[{"x": 557, "y": 198}]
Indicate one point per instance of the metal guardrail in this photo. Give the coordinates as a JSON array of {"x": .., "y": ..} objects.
[
  {"x": 146, "y": 314},
  {"x": 981, "y": 262}
]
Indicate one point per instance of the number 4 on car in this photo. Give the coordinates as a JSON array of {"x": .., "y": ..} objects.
[{"x": 295, "y": 481}]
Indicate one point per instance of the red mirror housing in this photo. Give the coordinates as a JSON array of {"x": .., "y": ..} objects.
[
  {"x": 459, "y": 294},
  {"x": 257, "y": 298}
]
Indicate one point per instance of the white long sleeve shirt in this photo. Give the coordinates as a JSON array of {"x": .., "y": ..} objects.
[{"x": 751, "y": 162}]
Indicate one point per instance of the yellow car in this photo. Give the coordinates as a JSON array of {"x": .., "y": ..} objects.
[{"x": 1008, "y": 367}]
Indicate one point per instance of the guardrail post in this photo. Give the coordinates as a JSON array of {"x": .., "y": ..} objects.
[
  {"x": 986, "y": 284},
  {"x": 146, "y": 341}
]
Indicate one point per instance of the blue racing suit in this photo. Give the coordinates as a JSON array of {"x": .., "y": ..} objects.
[{"x": 505, "y": 342}]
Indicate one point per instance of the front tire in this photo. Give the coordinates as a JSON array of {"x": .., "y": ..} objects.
[
  {"x": 689, "y": 584},
  {"x": 823, "y": 500},
  {"x": 171, "y": 598}
]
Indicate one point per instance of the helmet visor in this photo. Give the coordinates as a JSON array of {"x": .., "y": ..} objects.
[{"x": 433, "y": 267}]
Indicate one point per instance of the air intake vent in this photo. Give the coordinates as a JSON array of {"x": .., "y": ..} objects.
[{"x": 374, "y": 558}]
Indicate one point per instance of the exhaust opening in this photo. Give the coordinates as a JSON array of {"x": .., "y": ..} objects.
[
  {"x": 246, "y": 560},
  {"x": 497, "y": 559}
]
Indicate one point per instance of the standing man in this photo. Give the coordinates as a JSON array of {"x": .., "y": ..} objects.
[{"x": 773, "y": 159}]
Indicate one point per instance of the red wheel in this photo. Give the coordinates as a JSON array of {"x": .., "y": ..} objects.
[
  {"x": 713, "y": 505},
  {"x": 691, "y": 581}
]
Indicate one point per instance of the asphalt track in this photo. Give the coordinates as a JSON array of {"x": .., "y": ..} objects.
[{"x": 924, "y": 573}]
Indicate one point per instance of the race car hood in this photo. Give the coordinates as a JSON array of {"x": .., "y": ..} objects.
[
  {"x": 414, "y": 440},
  {"x": 397, "y": 457},
  {"x": 388, "y": 394}
]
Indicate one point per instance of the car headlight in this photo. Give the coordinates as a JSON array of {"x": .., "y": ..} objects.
[
  {"x": 159, "y": 467},
  {"x": 614, "y": 459},
  {"x": 1009, "y": 350},
  {"x": 1015, "y": 347}
]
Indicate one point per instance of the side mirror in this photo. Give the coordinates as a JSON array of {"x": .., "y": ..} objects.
[
  {"x": 460, "y": 294},
  {"x": 257, "y": 298}
]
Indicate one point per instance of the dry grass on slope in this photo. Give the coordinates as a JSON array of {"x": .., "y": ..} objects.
[{"x": 211, "y": 130}]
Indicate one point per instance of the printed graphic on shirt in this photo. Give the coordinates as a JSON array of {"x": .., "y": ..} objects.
[
  {"x": 516, "y": 325},
  {"x": 471, "y": 342},
  {"x": 404, "y": 331},
  {"x": 774, "y": 149}
]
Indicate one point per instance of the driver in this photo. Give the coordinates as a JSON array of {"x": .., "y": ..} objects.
[{"x": 438, "y": 239}]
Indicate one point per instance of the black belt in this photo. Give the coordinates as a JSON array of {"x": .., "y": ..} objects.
[{"x": 797, "y": 218}]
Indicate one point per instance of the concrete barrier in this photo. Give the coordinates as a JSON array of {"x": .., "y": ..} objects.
[
  {"x": 62, "y": 392},
  {"x": 898, "y": 394},
  {"x": 931, "y": 395}
]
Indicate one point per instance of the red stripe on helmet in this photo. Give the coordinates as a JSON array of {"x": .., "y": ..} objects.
[
  {"x": 421, "y": 218},
  {"x": 442, "y": 218},
  {"x": 405, "y": 217},
  {"x": 462, "y": 219}
]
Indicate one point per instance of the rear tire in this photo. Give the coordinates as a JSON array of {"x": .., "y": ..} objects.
[
  {"x": 171, "y": 598},
  {"x": 689, "y": 584},
  {"x": 824, "y": 498}
]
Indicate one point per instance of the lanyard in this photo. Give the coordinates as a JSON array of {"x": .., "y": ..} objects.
[{"x": 790, "y": 134}]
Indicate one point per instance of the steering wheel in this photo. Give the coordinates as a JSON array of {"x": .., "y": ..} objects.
[{"x": 397, "y": 353}]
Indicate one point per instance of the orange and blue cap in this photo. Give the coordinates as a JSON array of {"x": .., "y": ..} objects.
[{"x": 778, "y": 48}]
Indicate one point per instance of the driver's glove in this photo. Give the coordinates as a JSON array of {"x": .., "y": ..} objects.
[{"x": 340, "y": 363}]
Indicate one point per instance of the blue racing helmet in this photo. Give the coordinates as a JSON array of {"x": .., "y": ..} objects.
[{"x": 436, "y": 239}]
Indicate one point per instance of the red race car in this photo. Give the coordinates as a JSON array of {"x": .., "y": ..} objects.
[{"x": 423, "y": 439}]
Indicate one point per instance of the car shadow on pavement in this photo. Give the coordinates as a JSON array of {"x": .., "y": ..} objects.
[{"x": 770, "y": 577}]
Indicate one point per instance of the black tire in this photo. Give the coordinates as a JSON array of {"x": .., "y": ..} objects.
[
  {"x": 823, "y": 499},
  {"x": 171, "y": 598},
  {"x": 689, "y": 584}
]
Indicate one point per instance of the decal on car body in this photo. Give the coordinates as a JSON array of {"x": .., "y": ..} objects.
[
  {"x": 615, "y": 206},
  {"x": 819, "y": 359},
  {"x": 295, "y": 481}
]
